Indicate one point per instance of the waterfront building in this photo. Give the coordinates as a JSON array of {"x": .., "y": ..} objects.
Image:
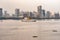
[
  {"x": 13, "y": 15},
  {"x": 1, "y": 12},
  {"x": 57, "y": 15},
  {"x": 48, "y": 15},
  {"x": 26, "y": 14},
  {"x": 40, "y": 11},
  {"x": 31, "y": 14},
  {"x": 43, "y": 13},
  {"x": 6, "y": 15},
  {"x": 17, "y": 12},
  {"x": 35, "y": 14}
]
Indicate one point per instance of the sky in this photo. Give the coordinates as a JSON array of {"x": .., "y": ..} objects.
[{"x": 30, "y": 5}]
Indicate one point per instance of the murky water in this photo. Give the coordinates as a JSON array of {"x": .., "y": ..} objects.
[{"x": 40, "y": 30}]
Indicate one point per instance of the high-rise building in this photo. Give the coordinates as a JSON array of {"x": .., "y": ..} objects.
[
  {"x": 35, "y": 14},
  {"x": 26, "y": 14},
  {"x": 57, "y": 15},
  {"x": 31, "y": 14},
  {"x": 6, "y": 14},
  {"x": 48, "y": 15},
  {"x": 1, "y": 13},
  {"x": 43, "y": 13},
  {"x": 17, "y": 12},
  {"x": 40, "y": 11}
]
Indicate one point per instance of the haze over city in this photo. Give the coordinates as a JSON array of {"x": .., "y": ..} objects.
[{"x": 30, "y": 5}]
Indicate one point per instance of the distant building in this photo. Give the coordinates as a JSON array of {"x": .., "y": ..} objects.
[
  {"x": 35, "y": 14},
  {"x": 25, "y": 14},
  {"x": 1, "y": 13},
  {"x": 57, "y": 15},
  {"x": 40, "y": 11},
  {"x": 6, "y": 14},
  {"x": 43, "y": 13},
  {"x": 48, "y": 15},
  {"x": 17, "y": 12},
  {"x": 13, "y": 15},
  {"x": 31, "y": 14}
]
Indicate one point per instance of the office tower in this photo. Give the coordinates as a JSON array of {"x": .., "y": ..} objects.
[
  {"x": 43, "y": 13},
  {"x": 25, "y": 14},
  {"x": 48, "y": 14},
  {"x": 22, "y": 13},
  {"x": 6, "y": 14},
  {"x": 17, "y": 12},
  {"x": 1, "y": 13},
  {"x": 40, "y": 11},
  {"x": 31, "y": 14},
  {"x": 13, "y": 15},
  {"x": 56, "y": 15},
  {"x": 35, "y": 14}
]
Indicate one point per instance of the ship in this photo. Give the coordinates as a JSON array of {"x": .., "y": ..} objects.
[{"x": 28, "y": 19}]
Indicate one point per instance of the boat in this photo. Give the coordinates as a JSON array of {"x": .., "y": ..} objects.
[
  {"x": 34, "y": 36},
  {"x": 54, "y": 30},
  {"x": 28, "y": 19}
]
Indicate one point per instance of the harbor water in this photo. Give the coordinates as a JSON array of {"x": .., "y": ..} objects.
[{"x": 40, "y": 30}]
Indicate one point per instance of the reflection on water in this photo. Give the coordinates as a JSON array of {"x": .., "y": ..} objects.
[{"x": 40, "y": 30}]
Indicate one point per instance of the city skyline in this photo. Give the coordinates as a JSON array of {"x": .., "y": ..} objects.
[
  {"x": 41, "y": 13},
  {"x": 30, "y": 5}
]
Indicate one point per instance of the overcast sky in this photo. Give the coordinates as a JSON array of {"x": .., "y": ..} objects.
[{"x": 30, "y": 5}]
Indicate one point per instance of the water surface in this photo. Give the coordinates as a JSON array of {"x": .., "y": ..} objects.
[{"x": 17, "y": 30}]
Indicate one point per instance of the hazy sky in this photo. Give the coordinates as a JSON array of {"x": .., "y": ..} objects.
[{"x": 30, "y": 5}]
